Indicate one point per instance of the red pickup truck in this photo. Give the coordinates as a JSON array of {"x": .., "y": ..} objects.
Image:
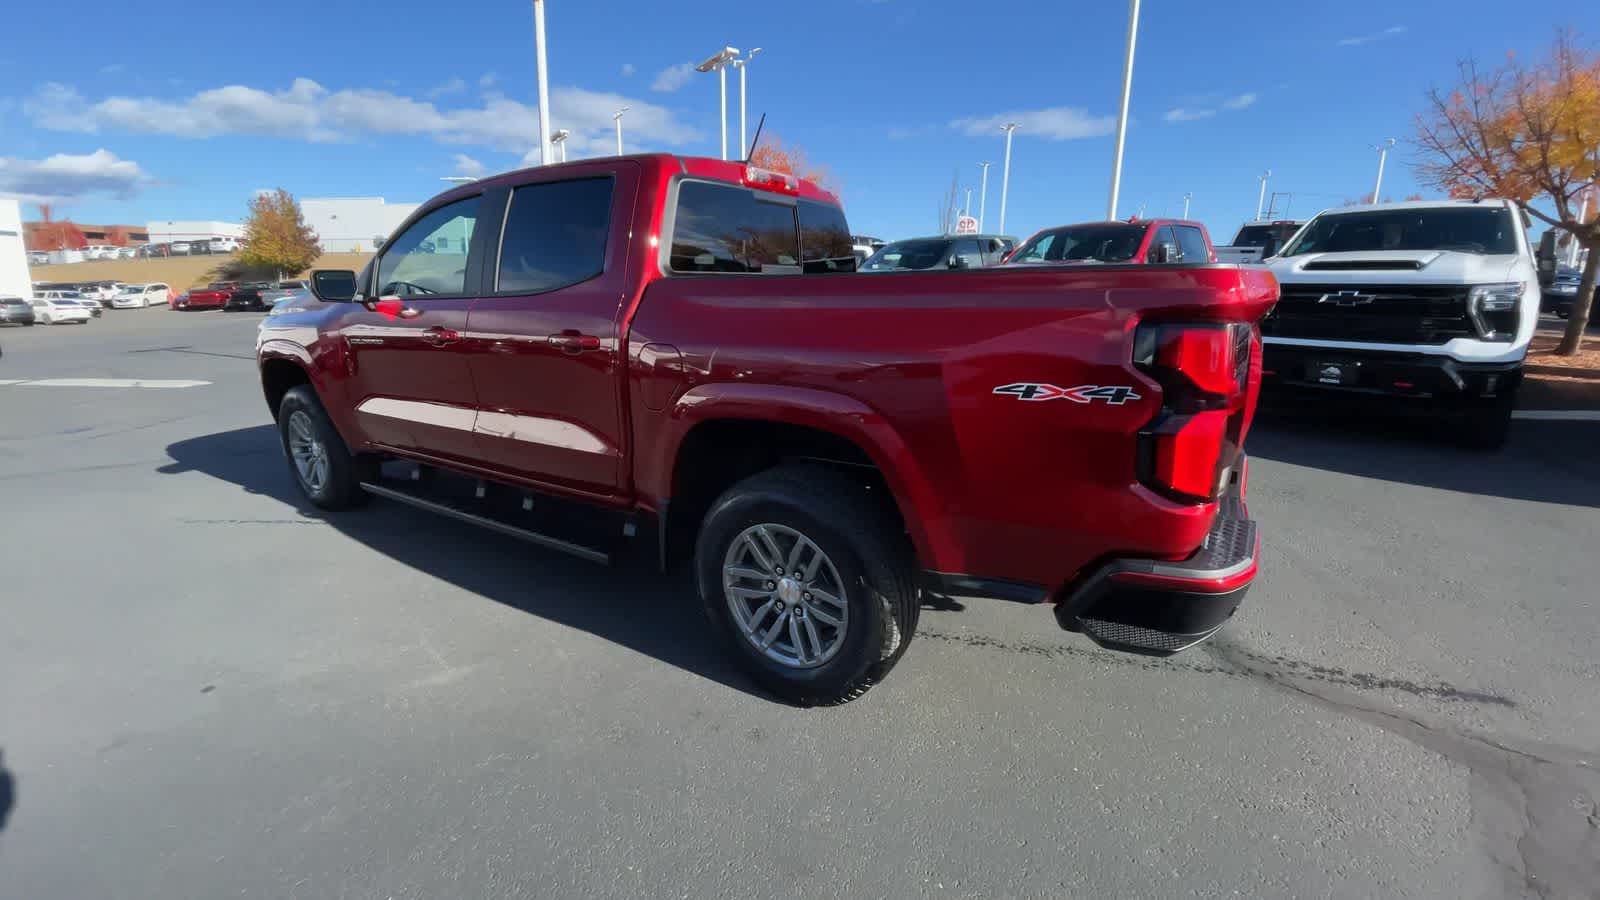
[
  {"x": 673, "y": 353},
  {"x": 212, "y": 296}
]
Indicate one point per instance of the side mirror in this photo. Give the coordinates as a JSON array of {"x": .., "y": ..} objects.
[
  {"x": 333, "y": 285},
  {"x": 1166, "y": 253},
  {"x": 378, "y": 242},
  {"x": 956, "y": 262}
]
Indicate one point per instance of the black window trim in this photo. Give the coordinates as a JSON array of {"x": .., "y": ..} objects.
[
  {"x": 475, "y": 251},
  {"x": 490, "y": 269},
  {"x": 669, "y": 228}
]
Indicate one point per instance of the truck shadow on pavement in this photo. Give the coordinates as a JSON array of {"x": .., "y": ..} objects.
[
  {"x": 1545, "y": 461},
  {"x": 629, "y": 603}
]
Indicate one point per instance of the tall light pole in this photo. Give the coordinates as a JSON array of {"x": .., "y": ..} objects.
[
  {"x": 1005, "y": 174},
  {"x": 1122, "y": 117},
  {"x": 744, "y": 142},
  {"x": 983, "y": 194},
  {"x": 560, "y": 140},
  {"x": 719, "y": 63},
  {"x": 1383, "y": 152},
  {"x": 617, "y": 118},
  {"x": 544, "y": 82},
  {"x": 1261, "y": 199},
  {"x": 968, "y": 210},
  {"x": 1186, "y": 199}
]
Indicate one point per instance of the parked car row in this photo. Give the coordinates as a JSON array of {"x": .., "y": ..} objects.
[
  {"x": 234, "y": 295},
  {"x": 214, "y": 246},
  {"x": 1137, "y": 241}
]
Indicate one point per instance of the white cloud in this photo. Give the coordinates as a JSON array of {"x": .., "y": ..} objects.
[
  {"x": 308, "y": 111},
  {"x": 113, "y": 69},
  {"x": 1391, "y": 31},
  {"x": 453, "y": 86},
  {"x": 1210, "y": 109},
  {"x": 1242, "y": 101},
  {"x": 488, "y": 79},
  {"x": 1182, "y": 114},
  {"x": 68, "y": 177},
  {"x": 628, "y": 69},
  {"x": 466, "y": 165},
  {"x": 1058, "y": 123},
  {"x": 673, "y": 77}
]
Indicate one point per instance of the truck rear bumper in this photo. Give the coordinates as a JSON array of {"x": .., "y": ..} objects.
[{"x": 1159, "y": 607}]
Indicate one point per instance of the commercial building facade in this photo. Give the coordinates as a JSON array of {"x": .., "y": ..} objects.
[
  {"x": 353, "y": 224},
  {"x": 165, "y": 232}
]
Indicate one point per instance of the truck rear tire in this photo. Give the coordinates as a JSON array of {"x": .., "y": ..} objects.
[
  {"x": 809, "y": 580},
  {"x": 319, "y": 462}
]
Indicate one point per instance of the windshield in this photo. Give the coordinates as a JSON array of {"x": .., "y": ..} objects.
[
  {"x": 1111, "y": 242},
  {"x": 918, "y": 254},
  {"x": 1486, "y": 230},
  {"x": 1262, "y": 235}
]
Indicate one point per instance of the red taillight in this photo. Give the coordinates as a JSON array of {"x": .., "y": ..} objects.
[{"x": 1204, "y": 373}]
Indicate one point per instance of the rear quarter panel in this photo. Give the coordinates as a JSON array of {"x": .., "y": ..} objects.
[{"x": 907, "y": 364}]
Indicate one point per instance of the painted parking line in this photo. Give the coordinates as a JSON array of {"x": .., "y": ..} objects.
[
  {"x": 107, "y": 382},
  {"x": 1558, "y": 415}
]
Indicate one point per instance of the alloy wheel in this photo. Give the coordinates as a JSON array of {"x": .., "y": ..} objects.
[
  {"x": 786, "y": 596},
  {"x": 310, "y": 455}
]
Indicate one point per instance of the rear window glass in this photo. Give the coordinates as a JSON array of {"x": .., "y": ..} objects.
[
  {"x": 825, "y": 242},
  {"x": 916, "y": 254},
  {"x": 721, "y": 228}
]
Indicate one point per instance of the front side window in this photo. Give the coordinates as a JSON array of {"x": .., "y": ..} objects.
[
  {"x": 722, "y": 228},
  {"x": 1192, "y": 243},
  {"x": 968, "y": 253},
  {"x": 430, "y": 257},
  {"x": 1111, "y": 242},
  {"x": 555, "y": 235},
  {"x": 1469, "y": 229},
  {"x": 825, "y": 242}
]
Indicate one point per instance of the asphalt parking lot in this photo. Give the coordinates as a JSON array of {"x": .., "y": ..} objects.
[{"x": 207, "y": 689}]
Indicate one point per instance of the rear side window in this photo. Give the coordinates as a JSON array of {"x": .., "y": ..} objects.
[
  {"x": 1192, "y": 243},
  {"x": 722, "y": 228},
  {"x": 555, "y": 235},
  {"x": 825, "y": 242}
]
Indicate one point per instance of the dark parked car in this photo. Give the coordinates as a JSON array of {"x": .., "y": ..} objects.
[
  {"x": 948, "y": 251},
  {"x": 247, "y": 296},
  {"x": 15, "y": 311},
  {"x": 1563, "y": 292}
]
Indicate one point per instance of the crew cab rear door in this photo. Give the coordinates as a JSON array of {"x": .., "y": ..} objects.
[{"x": 546, "y": 347}]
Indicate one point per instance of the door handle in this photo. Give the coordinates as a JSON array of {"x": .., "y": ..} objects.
[
  {"x": 439, "y": 336},
  {"x": 574, "y": 342}
]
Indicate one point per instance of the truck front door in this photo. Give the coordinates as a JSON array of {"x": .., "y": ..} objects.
[
  {"x": 546, "y": 345},
  {"x": 409, "y": 379}
]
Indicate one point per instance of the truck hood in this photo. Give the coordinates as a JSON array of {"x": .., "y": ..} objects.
[{"x": 1422, "y": 266}]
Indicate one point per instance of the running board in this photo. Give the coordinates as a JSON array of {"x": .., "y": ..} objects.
[{"x": 471, "y": 518}]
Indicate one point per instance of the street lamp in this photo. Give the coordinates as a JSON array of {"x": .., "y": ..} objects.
[
  {"x": 1005, "y": 174},
  {"x": 719, "y": 63},
  {"x": 740, "y": 64},
  {"x": 543, "y": 75},
  {"x": 560, "y": 140},
  {"x": 1122, "y": 117},
  {"x": 1186, "y": 199},
  {"x": 1261, "y": 199},
  {"x": 617, "y": 118},
  {"x": 1383, "y": 152},
  {"x": 983, "y": 193}
]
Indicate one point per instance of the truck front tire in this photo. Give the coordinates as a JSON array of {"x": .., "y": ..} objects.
[
  {"x": 1487, "y": 423},
  {"x": 319, "y": 462},
  {"x": 809, "y": 580}
]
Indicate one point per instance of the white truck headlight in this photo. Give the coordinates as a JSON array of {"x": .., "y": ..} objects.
[{"x": 1495, "y": 309}]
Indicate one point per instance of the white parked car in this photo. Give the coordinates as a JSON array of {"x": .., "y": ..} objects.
[
  {"x": 101, "y": 251},
  {"x": 54, "y": 310},
  {"x": 178, "y": 248},
  {"x": 38, "y": 258},
  {"x": 139, "y": 296},
  {"x": 127, "y": 252},
  {"x": 224, "y": 245}
]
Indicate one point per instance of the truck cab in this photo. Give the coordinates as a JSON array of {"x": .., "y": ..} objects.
[
  {"x": 1257, "y": 241},
  {"x": 1433, "y": 303}
]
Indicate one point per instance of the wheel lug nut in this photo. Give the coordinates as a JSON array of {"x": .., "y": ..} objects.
[
  {"x": 805, "y": 596},
  {"x": 772, "y": 585},
  {"x": 780, "y": 571}
]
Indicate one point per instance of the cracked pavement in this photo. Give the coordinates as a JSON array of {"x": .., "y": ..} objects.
[{"x": 206, "y": 689}]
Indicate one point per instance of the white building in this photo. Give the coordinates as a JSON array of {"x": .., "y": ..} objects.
[
  {"x": 353, "y": 224},
  {"x": 13, "y": 255},
  {"x": 166, "y": 232}
]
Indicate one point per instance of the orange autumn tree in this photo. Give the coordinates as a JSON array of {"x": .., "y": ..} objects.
[
  {"x": 1529, "y": 132},
  {"x": 55, "y": 235},
  {"x": 791, "y": 160},
  {"x": 276, "y": 235}
]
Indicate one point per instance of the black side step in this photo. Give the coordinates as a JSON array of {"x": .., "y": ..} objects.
[{"x": 472, "y": 518}]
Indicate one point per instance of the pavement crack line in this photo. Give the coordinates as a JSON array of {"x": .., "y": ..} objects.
[{"x": 1533, "y": 805}]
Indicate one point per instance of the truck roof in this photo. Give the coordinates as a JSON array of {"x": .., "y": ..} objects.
[
  {"x": 732, "y": 171},
  {"x": 1418, "y": 204}
]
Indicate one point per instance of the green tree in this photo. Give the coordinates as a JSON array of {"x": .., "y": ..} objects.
[{"x": 276, "y": 235}]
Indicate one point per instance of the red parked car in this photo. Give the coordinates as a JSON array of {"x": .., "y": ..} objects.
[
  {"x": 1161, "y": 241},
  {"x": 679, "y": 345},
  {"x": 213, "y": 296}
]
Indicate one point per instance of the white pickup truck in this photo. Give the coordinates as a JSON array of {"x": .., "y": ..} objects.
[
  {"x": 1257, "y": 240},
  {"x": 1433, "y": 302}
]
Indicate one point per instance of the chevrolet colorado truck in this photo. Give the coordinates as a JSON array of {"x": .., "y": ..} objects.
[
  {"x": 1431, "y": 304},
  {"x": 674, "y": 355}
]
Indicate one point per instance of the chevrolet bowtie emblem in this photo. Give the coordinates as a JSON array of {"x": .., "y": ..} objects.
[{"x": 1346, "y": 298}]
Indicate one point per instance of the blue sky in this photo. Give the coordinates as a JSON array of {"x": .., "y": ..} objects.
[{"x": 141, "y": 112}]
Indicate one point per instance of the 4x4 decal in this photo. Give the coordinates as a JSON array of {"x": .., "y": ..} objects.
[{"x": 1114, "y": 394}]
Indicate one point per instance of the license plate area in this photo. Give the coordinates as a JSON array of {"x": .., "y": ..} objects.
[{"x": 1343, "y": 373}]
